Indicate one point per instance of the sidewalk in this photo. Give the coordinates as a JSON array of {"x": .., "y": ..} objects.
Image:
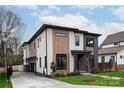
[{"x": 103, "y": 76}]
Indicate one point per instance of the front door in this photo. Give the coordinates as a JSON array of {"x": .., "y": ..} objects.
[
  {"x": 82, "y": 63},
  {"x": 32, "y": 67}
]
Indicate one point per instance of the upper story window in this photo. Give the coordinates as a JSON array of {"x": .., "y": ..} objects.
[
  {"x": 61, "y": 34},
  {"x": 38, "y": 43},
  {"x": 89, "y": 42},
  {"x": 77, "y": 40},
  {"x": 40, "y": 39},
  {"x": 34, "y": 45}
]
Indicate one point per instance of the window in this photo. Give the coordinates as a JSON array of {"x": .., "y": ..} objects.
[
  {"x": 121, "y": 57},
  {"x": 77, "y": 40},
  {"x": 113, "y": 58},
  {"x": 40, "y": 38},
  {"x": 103, "y": 59},
  {"x": 89, "y": 42},
  {"x": 61, "y": 61},
  {"x": 61, "y": 34},
  {"x": 38, "y": 43},
  {"x": 40, "y": 61},
  {"x": 34, "y": 45},
  {"x": 45, "y": 61},
  {"x": 116, "y": 43}
]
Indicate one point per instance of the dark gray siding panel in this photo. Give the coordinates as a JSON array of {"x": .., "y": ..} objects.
[{"x": 95, "y": 48}]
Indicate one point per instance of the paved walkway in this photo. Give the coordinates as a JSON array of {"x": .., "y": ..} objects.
[
  {"x": 103, "y": 76},
  {"x": 29, "y": 80}
]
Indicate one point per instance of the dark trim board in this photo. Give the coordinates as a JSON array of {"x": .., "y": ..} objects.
[
  {"x": 80, "y": 51},
  {"x": 108, "y": 54},
  {"x": 95, "y": 48}
]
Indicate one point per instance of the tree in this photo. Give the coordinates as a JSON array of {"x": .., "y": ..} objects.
[{"x": 10, "y": 24}]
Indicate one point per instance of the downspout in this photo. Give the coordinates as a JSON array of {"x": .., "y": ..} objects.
[{"x": 46, "y": 53}]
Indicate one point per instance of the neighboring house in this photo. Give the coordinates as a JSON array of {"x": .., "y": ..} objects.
[
  {"x": 72, "y": 50},
  {"x": 112, "y": 49}
]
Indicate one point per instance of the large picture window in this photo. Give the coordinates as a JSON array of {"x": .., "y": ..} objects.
[
  {"x": 89, "y": 42},
  {"x": 61, "y": 61},
  {"x": 77, "y": 40}
]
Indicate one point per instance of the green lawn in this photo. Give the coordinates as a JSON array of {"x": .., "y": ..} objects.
[
  {"x": 3, "y": 81},
  {"x": 114, "y": 74},
  {"x": 91, "y": 80}
]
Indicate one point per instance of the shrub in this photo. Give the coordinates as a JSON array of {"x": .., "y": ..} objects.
[{"x": 73, "y": 74}]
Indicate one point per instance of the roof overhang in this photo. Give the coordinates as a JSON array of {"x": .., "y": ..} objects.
[
  {"x": 45, "y": 26},
  {"x": 31, "y": 58}
]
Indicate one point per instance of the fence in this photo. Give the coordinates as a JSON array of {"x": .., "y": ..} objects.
[
  {"x": 2, "y": 69},
  {"x": 105, "y": 66},
  {"x": 17, "y": 68}
]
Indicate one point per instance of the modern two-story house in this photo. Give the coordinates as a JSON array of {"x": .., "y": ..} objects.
[
  {"x": 112, "y": 49},
  {"x": 71, "y": 49}
]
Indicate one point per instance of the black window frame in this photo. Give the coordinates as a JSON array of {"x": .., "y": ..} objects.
[
  {"x": 77, "y": 40},
  {"x": 38, "y": 43},
  {"x": 121, "y": 57},
  {"x": 87, "y": 44},
  {"x": 40, "y": 61},
  {"x": 61, "y": 65},
  {"x": 45, "y": 59}
]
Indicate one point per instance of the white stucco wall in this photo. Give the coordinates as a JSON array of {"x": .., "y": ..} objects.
[
  {"x": 72, "y": 46},
  {"x": 49, "y": 50},
  {"x": 120, "y": 60},
  {"x": 41, "y": 52},
  {"x": 121, "y": 43},
  {"x": 24, "y": 55},
  {"x": 107, "y": 57}
]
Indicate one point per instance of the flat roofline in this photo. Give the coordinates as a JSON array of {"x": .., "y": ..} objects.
[{"x": 45, "y": 26}]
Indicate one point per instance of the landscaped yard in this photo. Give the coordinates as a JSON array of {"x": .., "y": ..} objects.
[
  {"x": 91, "y": 80},
  {"x": 3, "y": 81},
  {"x": 114, "y": 74}
]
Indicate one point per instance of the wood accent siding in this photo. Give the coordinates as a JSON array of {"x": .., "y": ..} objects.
[
  {"x": 32, "y": 49},
  {"x": 61, "y": 46}
]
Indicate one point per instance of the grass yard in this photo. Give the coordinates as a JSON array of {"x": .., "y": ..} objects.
[
  {"x": 114, "y": 74},
  {"x": 91, "y": 80},
  {"x": 3, "y": 81}
]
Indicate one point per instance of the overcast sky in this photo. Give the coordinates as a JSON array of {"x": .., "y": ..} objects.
[{"x": 98, "y": 19}]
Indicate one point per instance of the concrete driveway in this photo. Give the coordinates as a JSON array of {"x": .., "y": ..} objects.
[{"x": 30, "y": 80}]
